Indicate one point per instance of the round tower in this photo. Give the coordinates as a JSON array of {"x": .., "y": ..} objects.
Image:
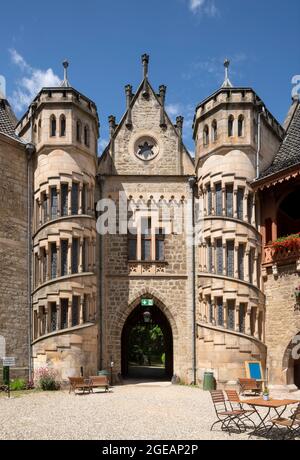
[
  {"x": 235, "y": 138},
  {"x": 63, "y": 125}
]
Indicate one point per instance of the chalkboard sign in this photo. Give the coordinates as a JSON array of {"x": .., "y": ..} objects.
[{"x": 254, "y": 370}]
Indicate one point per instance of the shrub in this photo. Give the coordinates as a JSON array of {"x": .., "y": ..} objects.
[
  {"x": 46, "y": 379},
  {"x": 30, "y": 385},
  {"x": 18, "y": 385}
]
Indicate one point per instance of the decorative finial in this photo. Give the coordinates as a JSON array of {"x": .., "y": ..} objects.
[
  {"x": 145, "y": 62},
  {"x": 227, "y": 83},
  {"x": 65, "y": 83}
]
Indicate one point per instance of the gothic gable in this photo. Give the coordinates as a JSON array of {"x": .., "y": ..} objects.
[{"x": 146, "y": 142}]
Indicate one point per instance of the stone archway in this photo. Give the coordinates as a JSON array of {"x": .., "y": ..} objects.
[
  {"x": 291, "y": 362},
  {"x": 135, "y": 331}
]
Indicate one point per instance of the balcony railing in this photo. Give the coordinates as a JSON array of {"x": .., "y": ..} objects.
[{"x": 281, "y": 255}]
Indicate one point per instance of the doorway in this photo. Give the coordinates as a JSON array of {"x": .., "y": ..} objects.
[{"x": 147, "y": 345}]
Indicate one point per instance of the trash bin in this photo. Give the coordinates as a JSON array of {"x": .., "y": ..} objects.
[{"x": 209, "y": 382}]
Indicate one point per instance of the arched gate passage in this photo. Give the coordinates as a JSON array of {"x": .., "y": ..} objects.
[{"x": 147, "y": 344}]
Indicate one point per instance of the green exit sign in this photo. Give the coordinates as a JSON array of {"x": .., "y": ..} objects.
[{"x": 147, "y": 302}]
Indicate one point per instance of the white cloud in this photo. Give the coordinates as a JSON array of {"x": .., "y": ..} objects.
[
  {"x": 32, "y": 81},
  {"x": 206, "y": 7},
  {"x": 173, "y": 109},
  {"x": 102, "y": 144}
]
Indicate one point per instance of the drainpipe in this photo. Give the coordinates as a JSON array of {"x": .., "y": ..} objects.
[
  {"x": 259, "y": 141},
  {"x": 192, "y": 182},
  {"x": 30, "y": 150}
]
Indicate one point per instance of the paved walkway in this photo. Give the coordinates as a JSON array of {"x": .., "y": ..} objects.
[{"x": 133, "y": 411}]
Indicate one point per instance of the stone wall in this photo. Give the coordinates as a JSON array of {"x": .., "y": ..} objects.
[
  {"x": 225, "y": 352},
  {"x": 282, "y": 322},
  {"x": 67, "y": 352},
  {"x": 14, "y": 309}
]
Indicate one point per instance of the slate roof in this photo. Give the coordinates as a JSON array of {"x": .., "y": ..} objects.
[
  {"x": 8, "y": 120},
  {"x": 288, "y": 154}
]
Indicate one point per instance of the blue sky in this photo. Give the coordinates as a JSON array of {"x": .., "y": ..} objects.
[{"x": 187, "y": 41}]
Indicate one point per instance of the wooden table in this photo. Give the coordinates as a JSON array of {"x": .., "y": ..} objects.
[{"x": 278, "y": 405}]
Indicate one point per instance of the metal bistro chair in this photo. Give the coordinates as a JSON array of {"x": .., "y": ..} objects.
[
  {"x": 292, "y": 424},
  {"x": 225, "y": 417},
  {"x": 237, "y": 404}
]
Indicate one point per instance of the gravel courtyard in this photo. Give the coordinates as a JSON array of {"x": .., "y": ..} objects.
[{"x": 128, "y": 412}]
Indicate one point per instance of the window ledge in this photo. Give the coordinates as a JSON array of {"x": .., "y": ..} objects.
[
  {"x": 62, "y": 218},
  {"x": 60, "y": 279},
  {"x": 64, "y": 331},
  {"x": 150, "y": 262}
]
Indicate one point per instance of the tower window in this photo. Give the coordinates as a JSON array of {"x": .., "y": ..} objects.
[
  {"x": 229, "y": 200},
  {"x": 230, "y": 125},
  {"x": 52, "y": 126},
  {"x": 75, "y": 310},
  {"x": 64, "y": 306},
  {"x": 209, "y": 256},
  {"x": 206, "y": 135},
  {"x": 230, "y": 259},
  {"x": 62, "y": 126},
  {"x": 53, "y": 202},
  {"x": 241, "y": 256},
  {"x": 219, "y": 256},
  {"x": 219, "y": 199},
  {"x": 240, "y": 203},
  {"x": 209, "y": 200},
  {"x": 78, "y": 131},
  {"x": 241, "y": 123},
  {"x": 230, "y": 315},
  {"x": 75, "y": 253},
  {"x": 75, "y": 198},
  {"x": 53, "y": 317},
  {"x": 242, "y": 317},
  {"x": 64, "y": 257},
  {"x": 220, "y": 312},
  {"x": 87, "y": 136},
  {"x": 64, "y": 200},
  {"x": 53, "y": 252},
  {"x": 214, "y": 131}
]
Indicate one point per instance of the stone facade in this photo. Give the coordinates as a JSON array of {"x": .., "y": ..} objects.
[
  {"x": 215, "y": 289},
  {"x": 14, "y": 261}
]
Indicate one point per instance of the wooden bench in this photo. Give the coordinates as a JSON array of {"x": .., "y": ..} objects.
[
  {"x": 249, "y": 386},
  {"x": 79, "y": 383},
  {"x": 100, "y": 381}
]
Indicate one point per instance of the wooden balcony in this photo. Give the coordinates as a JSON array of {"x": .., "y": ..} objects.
[{"x": 281, "y": 255}]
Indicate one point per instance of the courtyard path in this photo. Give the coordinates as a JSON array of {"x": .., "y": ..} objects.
[{"x": 156, "y": 412}]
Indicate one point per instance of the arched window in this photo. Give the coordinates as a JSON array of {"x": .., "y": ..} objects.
[
  {"x": 78, "y": 131},
  {"x": 87, "y": 136},
  {"x": 39, "y": 130},
  {"x": 241, "y": 123},
  {"x": 62, "y": 125},
  {"x": 52, "y": 126},
  {"x": 214, "y": 131},
  {"x": 206, "y": 135},
  {"x": 230, "y": 125}
]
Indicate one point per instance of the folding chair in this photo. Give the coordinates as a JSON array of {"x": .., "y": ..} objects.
[{"x": 225, "y": 417}]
